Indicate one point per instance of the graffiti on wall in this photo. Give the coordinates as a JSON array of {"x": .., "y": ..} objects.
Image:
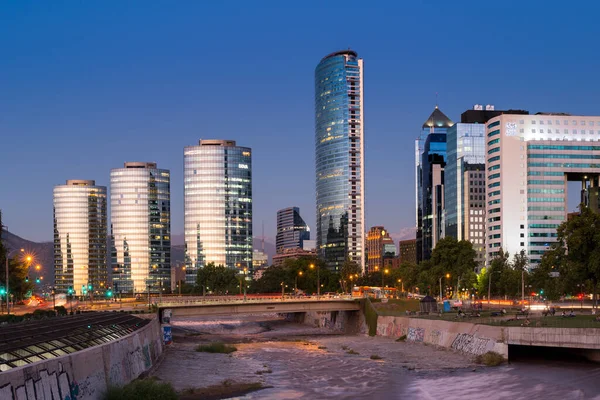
[
  {"x": 415, "y": 334},
  {"x": 470, "y": 344},
  {"x": 49, "y": 385},
  {"x": 434, "y": 337}
]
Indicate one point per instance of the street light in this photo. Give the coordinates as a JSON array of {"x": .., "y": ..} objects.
[
  {"x": 296, "y": 284},
  {"x": 447, "y": 277},
  {"x": 312, "y": 266},
  {"x": 383, "y": 271}
]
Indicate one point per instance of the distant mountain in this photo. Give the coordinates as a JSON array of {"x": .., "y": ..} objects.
[
  {"x": 43, "y": 253},
  {"x": 178, "y": 250}
]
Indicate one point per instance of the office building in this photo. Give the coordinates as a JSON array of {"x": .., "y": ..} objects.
[
  {"x": 339, "y": 154},
  {"x": 259, "y": 259},
  {"x": 296, "y": 253},
  {"x": 464, "y": 178},
  {"x": 217, "y": 206},
  {"x": 140, "y": 225},
  {"x": 80, "y": 256},
  {"x": 408, "y": 251},
  {"x": 309, "y": 245},
  {"x": 292, "y": 231},
  {"x": 380, "y": 246},
  {"x": 430, "y": 161},
  {"x": 530, "y": 159}
]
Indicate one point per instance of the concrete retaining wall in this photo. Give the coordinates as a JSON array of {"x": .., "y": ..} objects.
[
  {"x": 461, "y": 336},
  {"x": 86, "y": 374},
  {"x": 581, "y": 338},
  {"x": 342, "y": 321}
]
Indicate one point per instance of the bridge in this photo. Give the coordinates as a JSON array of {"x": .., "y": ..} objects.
[{"x": 200, "y": 308}]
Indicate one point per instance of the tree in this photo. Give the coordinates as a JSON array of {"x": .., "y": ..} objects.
[
  {"x": 17, "y": 271},
  {"x": 579, "y": 241},
  {"x": 520, "y": 264},
  {"x": 217, "y": 279},
  {"x": 456, "y": 258}
]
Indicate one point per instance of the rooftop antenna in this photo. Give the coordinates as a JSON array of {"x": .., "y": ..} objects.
[
  {"x": 263, "y": 236},
  {"x": 436, "y": 99}
]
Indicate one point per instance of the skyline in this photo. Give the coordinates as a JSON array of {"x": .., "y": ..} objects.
[{"x": 89, "y": 87}]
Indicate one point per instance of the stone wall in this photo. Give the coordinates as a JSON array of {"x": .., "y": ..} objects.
[
  {"x": 461, "y": 336},
  {"x": 341, "y": 321},
  {"x": 86, "y": 374}
]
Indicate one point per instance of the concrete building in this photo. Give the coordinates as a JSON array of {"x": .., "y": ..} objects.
[
  {"x": 80, "y": 256},
  {"x": 408, "y": 251},
  {"x": 259, "y": 259},
  {"x": 177, "y": 277},
  {"x": 218, "y": 206},
  {"x": 292, "y": 231},
  {"x": 278, "y": 259},
  {"x": 339, "y": 150},
  {"x": 379, "y": 246},
  {"x": 140, "y": 226},
  {"x": 530, "y": 159},
  {"x": 430, "y": 161}
]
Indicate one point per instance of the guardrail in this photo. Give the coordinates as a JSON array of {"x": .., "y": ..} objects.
[{"x": 237, "y": 300}]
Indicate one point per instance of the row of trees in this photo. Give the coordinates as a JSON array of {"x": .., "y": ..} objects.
[
  {"x": 570, "y": 267},
  {"x": 17, "y": 271}
]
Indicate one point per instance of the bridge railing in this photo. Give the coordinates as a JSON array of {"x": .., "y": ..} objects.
[{"x": 197, "y": 300}]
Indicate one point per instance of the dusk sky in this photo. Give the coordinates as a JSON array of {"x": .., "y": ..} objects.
[{"x": 88, "y": 85}]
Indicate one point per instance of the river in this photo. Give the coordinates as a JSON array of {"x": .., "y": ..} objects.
[{"x": 295, "y": 361}]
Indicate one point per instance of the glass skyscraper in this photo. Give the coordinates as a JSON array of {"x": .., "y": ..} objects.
[
  {"x": 292, "y": 231},
  {"x": 430, "y": 161},
  {"x": 80, "y": 237},
  {"x": 140, "y": 202},
  {"x": 339, "y": 154},
  {"x": 218, "y": 206}
]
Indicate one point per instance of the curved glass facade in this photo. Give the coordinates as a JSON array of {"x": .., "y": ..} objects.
[
  {"x": 80, "y": 236},
  {"x": 339, "y": 157},
  {"x": 218, "y": 206},
  {"x": 140, "y": 228}
]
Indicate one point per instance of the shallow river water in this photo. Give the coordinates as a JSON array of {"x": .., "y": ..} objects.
[{"x": 299, "y": 362}]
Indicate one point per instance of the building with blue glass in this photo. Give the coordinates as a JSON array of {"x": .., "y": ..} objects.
[
  {"x": 430, "y": 161},
  {"x": 339, "y": 159}
]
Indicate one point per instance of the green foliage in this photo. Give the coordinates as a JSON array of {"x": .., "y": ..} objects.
[
  {"x": 17, "y": 271},
  {"x": 288, "y": 273},
  {"x": 491, "y": 359},
  {"x": 60, "y": 310},
  {"x": 218, "y": 279},
  {"x": 142, "y": 389},
  {"x": 370, "y": 315},
  {"x": 401, "y": 339},
  {"x": 352, "y": 352},
  {"x": 217, "y": 347},
  {"x": 376, "y": 357}
]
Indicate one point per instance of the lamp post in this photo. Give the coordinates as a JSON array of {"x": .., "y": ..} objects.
[
  {"x": 383, "y": 272},
  {"x": 312, "y": 266},
  {"x": 296, "y": 283},
  {"x": 581, "y": 286},
  {"x": 245, "y": 271},
  {"x": 490, "y": 285},
  {"x": 447, "y": 277}
]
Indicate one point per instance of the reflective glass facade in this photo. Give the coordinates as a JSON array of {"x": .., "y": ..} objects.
[
  {"x": 339, "y": 151},
  {"x": 80, "y": 236},
  {"x": 218, "y": 206},
  {"x": 140, "y": 202},
  {"x": 430, "y": 161},
  {"x": 292, "y": 231}
]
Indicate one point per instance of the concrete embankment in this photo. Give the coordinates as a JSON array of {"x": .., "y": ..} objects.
[{"x": 86, "y": 374}]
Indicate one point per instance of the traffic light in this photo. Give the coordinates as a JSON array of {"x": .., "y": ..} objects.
[
  {"x": 37, "y": 280},
  {"x": 26, "y": 279},
  {"x": 542, "y": 291},
  {"x": 70, "y": 290},
  {"x": 109, "y": 293},
  {"x": 89, "y": 288},
  {"x": 2, "y": 291}
]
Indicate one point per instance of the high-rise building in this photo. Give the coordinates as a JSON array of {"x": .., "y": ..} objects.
[
  {"x": 530, "y": 159},
  {"x": 140, "y": 225},
  {"x": 464, "y": 178},
  {"x": 339, "y": 148},
  {"x": 217, "y": 205},
  {"x": 408, "y": 251},
  {"x": 80, "y": 237},
  {"x": 430, "y": 161},
  {"x": 379, "y": 246},
  {"x": 292, "y": 231}
]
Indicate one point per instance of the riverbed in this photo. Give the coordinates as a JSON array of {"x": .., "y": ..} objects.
[{"x": 295, "y": 361}]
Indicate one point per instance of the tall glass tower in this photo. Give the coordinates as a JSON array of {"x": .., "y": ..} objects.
[
  {"x": 218, "y": 206},
  {"x": 339, "y": 158},
  {"x": 140, "y": 214},
  {"x": 80, "y": 237}
]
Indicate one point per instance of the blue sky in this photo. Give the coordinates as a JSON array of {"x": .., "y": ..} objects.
[{"x": 87, "y": 85}]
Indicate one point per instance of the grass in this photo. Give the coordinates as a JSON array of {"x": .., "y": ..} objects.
[
  {"x": 491, "y": 359},
  {"x": 217, "y": 347},
  {"x": 352, "y": 352},
  {"x": 142, "y": 389},
  {"x": 344, "y": 347},
  {"x": 397, "y": 307},
  {"x": 226, "y": 389},
  {"x": 322, "y": 348},
  {"x": 401, "y": 339},
  {"x": 537, "y": 321},
  {"x": 376, "y": 357}
]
